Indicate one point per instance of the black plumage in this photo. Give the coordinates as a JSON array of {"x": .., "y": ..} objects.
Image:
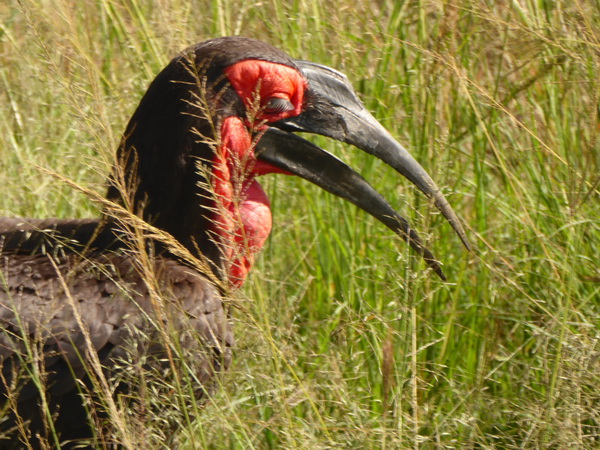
[{"x": 76, "y": 295}]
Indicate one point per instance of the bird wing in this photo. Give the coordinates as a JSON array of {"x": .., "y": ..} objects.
[{"x": 66, "y": 308}]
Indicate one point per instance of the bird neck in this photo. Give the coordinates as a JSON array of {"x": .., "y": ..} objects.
[
  {"x": 163, "y": 167},
  {"x": 200, "y": 188}
]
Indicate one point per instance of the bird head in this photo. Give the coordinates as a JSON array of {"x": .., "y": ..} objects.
[{"x": 226, "y": 111}]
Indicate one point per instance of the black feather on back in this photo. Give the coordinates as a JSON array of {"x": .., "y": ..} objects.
[
  {"x": 89, "y": 321},
  {"x": 66, "y": 307}
]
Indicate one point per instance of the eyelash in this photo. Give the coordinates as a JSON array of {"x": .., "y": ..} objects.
[{"x": 278, "y": 105}]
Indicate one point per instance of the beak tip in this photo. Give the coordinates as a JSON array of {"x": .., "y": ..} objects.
[{"x": 436, "y": 267}]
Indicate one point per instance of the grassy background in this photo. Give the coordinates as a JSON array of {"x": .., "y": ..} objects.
[{"x": 343, "y": 338}]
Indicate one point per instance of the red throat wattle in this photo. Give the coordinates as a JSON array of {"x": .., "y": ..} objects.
[{"x": 243, "y": 214}]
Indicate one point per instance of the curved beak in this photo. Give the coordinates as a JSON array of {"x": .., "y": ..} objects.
[
  {"x": 304, "y": 159},
  {"x": 333, "y": 109}
]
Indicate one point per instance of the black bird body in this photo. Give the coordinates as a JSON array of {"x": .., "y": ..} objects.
[{"x": 95, "y": 305}]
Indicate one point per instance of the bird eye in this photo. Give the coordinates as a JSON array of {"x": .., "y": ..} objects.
[{"x": 278, "y": 105}]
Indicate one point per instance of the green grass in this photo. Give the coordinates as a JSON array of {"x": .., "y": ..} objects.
[{"x": 343, "y": 339}]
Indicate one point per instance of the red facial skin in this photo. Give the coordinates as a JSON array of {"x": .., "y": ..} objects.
[{"x": 243, "y": 217}]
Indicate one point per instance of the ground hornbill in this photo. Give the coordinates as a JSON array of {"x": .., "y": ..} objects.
[{"x": 94, "y": 314}]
